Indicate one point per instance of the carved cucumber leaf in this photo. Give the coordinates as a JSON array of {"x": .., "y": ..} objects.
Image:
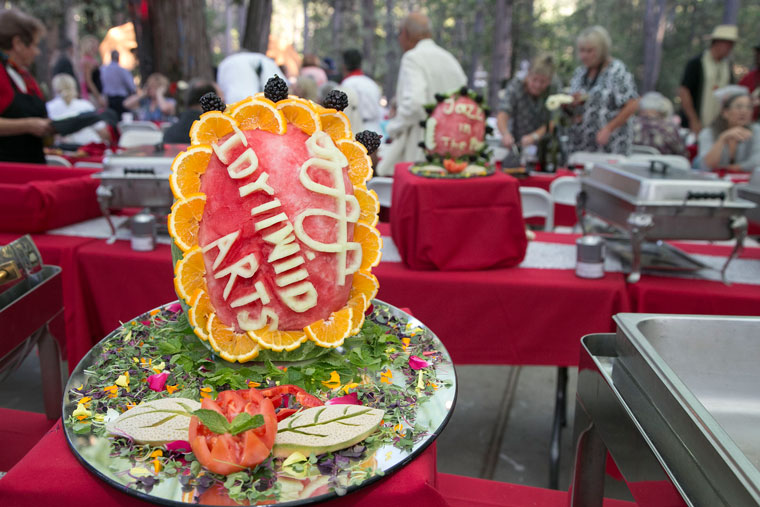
[
  {"x": 156, "y": 422},
  {"x": 325, "y": 429}
]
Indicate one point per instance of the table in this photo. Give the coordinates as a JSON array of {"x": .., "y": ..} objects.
[{"x": 457, "y": 224}]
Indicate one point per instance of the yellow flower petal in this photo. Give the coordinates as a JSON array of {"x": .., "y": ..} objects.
[
  {"x": 334, "y": 381},
  {"x": 156, "y": 453},
  {"x": 81, "y": 410},
  {"x": 171, "y": 389},
  {"x": 122, "y": 381},
  {"x": 350, "y": 385}
]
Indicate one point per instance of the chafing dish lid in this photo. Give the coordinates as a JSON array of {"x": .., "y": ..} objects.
[
  {"x": 140, "y": 162},
  {"x": 646, "y": 183}
]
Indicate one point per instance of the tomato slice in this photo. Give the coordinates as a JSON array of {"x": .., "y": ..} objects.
[{"x": 225, "y": 453}]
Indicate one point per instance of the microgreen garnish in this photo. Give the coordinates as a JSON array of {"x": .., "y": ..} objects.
[{"x": 217, "y": 423}]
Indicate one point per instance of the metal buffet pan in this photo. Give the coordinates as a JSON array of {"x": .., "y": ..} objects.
[
  {"x": 136, "y": 178},
  {"x": 651, "y": 201},
  {"x": 675, "y": 401},
  {"x": 751, "y": 192}
]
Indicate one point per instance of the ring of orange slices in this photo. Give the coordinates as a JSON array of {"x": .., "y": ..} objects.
[{"x": 259, "y": 112}]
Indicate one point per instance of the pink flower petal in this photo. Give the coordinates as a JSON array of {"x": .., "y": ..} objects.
[
  {"x": 178, "y": 445},
  {"x": 349, "y": 399},
  {"x": 158, "y": 381},
  {"x": 417, "y": 363},
  {"x": 174, "y": 307}
]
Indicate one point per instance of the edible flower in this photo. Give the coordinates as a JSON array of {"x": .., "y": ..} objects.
[
  {"x": 158, "y": 381},
  {"x": 417, "y": 363},
  {"x": 296, "y": 466},
  {"x": 334, "y": 381},
  {"x": 123, "y": 380},
  {"x": 81, "y": 412},
  {"x": 111, "y": 390},
  {"x": 85, "y": 400},
  {"x": 174, "y": 307},
  {"x": 398, "y": 429},
  {"x": 206, "y": 392},
  {"x": 253, "y": 384},
  {"x": 349, "y": 399},
  {"x": 178, "y": 445},
  {"x": 171, "y": 389},
  {"x": 138, "y": 472},
  {"x": 406, "y": 342},
  {"x": 154, "y": 312},
  {"x": 386, "y": 376},
  {"x": 159, "y": 367},
  {"x": 349, "y": 386}
]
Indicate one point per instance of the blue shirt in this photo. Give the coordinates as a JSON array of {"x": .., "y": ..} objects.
[{"x": 116, "y": 81}]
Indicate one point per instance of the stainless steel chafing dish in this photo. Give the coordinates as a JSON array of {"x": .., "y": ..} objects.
[
  {"x": 751, "y": 192},
  {"x": 652, "y": 201},
  {"x": 674, "y": 400},
  {"x": 137, "y": 178}
]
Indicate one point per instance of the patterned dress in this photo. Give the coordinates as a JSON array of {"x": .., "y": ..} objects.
[
  {"x": 612, "y": 88},
  {"x": 526, "y": 112}
]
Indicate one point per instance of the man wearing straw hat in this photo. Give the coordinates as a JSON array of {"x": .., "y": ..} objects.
[
  {"x": 752, "y": 81},
  {"x": 704, "y": 74}
]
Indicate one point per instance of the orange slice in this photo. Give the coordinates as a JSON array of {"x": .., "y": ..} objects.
[
  {"x": 231, "y": 345},
  {"x": 212, "y": 126},
  {"x": 336, "y": 124},
  {"x": 278, "y": 340},
  {"x": 369, "y": 205},
  {"x": 358, "y": 305},
  {"x": 359, "y": 163},
  {"x": 199, "y": 313},
  {"x": 300, "y": 113},
  {"x": 187, "y": 169},
  {"x": 331, "y": 332},
  {"x": 188, "y": 274},
  {"x": 371, "y": 243},
  {"x": 365, "y": 283},
  {"x": 259, "y": 113},
  {"x": 185, "y": 219}
]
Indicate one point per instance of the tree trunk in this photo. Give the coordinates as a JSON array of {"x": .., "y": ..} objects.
[
  {"x": 654, "y": 32},
  {"x": 257, "y": 24},
  {"x": 475, "y": 45},
  {"x": 391, "y": 55},
  {"x": 730, "y": 11},
  {"x": 181, "y": 49},
  {"x": 338, "y": 22},
  {"x": 306, "y": 36},
  {"x": 369, "y": 24},
  {"x": 502, "y": 50},
  {"x": 143, "y": 36}
]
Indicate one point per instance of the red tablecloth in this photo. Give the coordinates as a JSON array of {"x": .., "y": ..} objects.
[
  {"x": 457, "y": 224},
  {"x": 50, "y": 473},
  {"x": 507, "y": 316},
  {"x": 563, "y": 214},
  {"x": 38, "y": 197}
]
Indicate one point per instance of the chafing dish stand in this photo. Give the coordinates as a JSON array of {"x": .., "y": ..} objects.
[
  {"x": 652, "y": 201},
  {"x": 26, "y": 311},
  {"x": 673, "y": 399}
]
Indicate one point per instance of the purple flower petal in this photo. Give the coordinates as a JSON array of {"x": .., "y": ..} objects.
[
  {"x": 349, "y": 399},
  {"x": 417, "y": 363},
  {"x": 178, "y": 445},
  {"x": 158, "y": 381},
  {"x": 174, "y": 308}
]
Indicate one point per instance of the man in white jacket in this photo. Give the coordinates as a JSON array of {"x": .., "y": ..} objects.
[{"x": 426, "y": 69}]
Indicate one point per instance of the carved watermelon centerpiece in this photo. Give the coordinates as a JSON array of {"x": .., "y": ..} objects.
[{"x": 276, "y": 227}]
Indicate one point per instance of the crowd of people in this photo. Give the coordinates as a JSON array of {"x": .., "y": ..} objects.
[{"x": 606, "y": 113}]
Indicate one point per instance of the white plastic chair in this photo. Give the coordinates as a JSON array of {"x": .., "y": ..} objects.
[
  {"x": 675, "y": 161},
  {"x": 537, "y": 202},
  {"x": 132, "y": 138},
  {"x": 57, "y": 160},
  {"x": 138, "y": 125},
  {"x": 88, "y": 165},
  {"x": 643, "y": 149},
  {"x": 383, "y": 186},
  {"x": 564, "y": 190},
  {"x": 587, "y": 159}
]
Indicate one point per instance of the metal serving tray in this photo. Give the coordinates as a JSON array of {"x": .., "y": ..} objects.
[{"x": 675, "y": 400}]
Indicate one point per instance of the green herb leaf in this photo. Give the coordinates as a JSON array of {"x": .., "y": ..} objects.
[
  {"x": 213, "y": 420},
  {"x": 244, "y": 422}
]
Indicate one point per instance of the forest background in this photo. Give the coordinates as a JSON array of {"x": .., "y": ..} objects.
[{"x": 493, "y": 39}]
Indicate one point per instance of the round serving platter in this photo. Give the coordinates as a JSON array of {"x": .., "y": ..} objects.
[
  {"x": 402, "y": 366},
  {"x": 427, "y": 173}
]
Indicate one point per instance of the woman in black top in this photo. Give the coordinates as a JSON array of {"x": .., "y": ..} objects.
[{"x": 23, "y": 117}]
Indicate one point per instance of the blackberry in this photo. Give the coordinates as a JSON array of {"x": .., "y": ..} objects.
[
  {"x": 370, "y": 140},
  {"x": 336, "y": 99},
  {"x": 276, "y": 89},
  {"x": 212, "y": 102}
]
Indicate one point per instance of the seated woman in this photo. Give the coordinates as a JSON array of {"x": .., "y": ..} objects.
[
  {"x": 66, "y": 104},
  {"x": 150, "y": 103},
  {"x": 653, "y": 126},
  {"x": 731, "y": 141}
]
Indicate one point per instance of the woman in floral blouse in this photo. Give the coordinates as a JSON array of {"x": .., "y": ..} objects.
[{"x": 605, "y": 97}]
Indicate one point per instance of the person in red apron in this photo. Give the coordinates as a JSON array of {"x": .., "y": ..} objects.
[{"x": 23, "y": 116}]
